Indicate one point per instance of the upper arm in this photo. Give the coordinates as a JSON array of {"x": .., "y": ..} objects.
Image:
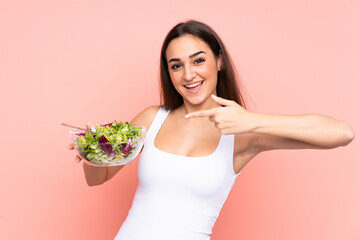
[
  {"x": 248, "y": 145},
  {"x": 143, "y": 119},
  {"x": 146, "y": 117},
  {"x": 255, "y": 143},
  {"x": 264, "y": 142}
]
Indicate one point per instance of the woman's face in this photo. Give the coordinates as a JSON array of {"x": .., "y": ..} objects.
[{"x": 193, "y": 68}]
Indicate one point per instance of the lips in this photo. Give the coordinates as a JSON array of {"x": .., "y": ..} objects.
[
  {"x": 193, "y": 84},
  {"x": 194, "y": 87}
]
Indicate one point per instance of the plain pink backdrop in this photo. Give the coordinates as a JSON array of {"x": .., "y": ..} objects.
[{"x": 75, "y": 61}]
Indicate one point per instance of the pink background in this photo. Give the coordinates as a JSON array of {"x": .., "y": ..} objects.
[{"x": 74, "y": 61}]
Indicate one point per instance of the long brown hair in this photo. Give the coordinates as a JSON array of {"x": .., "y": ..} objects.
[{"x": 227, "y": 86}]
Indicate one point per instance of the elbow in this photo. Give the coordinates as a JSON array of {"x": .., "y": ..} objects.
[
  {"x": 93, "y": 183},
  {"x": 348, "y": 135}
]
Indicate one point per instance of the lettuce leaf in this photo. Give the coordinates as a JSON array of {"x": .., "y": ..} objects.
[{"x": 105, "y": 145}]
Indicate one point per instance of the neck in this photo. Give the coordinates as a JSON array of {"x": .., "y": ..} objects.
[{"x": 207, "y": 104}]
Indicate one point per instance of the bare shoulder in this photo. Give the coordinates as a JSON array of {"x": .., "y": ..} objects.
[{"x": 146, "y": 117}]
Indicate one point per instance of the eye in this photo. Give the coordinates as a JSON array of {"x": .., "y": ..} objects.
[
  {"x": 199, "y": 60},
  {"x": 175, "y": 66}
]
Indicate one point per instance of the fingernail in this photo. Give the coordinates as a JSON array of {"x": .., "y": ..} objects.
[
  {"x": 187, "y": 116},
  {"x": 213, "y": 95}
]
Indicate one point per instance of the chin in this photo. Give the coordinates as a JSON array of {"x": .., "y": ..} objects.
[{"x": 198, "y": 100}]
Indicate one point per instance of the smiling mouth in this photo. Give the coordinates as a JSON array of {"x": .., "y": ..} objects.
[{"x": 193, "y": 85}]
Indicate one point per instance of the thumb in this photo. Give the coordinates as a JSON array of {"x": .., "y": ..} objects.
[{"x": 223, "y": 101}]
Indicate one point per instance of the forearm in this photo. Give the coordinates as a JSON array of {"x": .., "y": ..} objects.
[
  {"x": 315, "y": 129},
  {"x": 94, "y": 175},
  {"x": 98, "y": 175}
]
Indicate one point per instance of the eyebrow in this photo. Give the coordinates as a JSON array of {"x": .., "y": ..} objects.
[{"x": 191, "y": 56}]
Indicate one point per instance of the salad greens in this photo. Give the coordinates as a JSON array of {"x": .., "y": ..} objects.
[{"x": 110, "y": 143}]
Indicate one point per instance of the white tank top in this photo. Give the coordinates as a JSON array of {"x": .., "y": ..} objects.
[{"x": 178, "y": 197}]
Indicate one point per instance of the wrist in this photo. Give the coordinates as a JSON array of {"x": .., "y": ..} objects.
[{"x": 256, "y": 122}]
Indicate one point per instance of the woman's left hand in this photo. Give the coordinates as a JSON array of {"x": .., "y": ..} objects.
[{"x": 229, "y": 119}]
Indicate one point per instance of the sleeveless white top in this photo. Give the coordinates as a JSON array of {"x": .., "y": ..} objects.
[{"x": 178, "y": 197}]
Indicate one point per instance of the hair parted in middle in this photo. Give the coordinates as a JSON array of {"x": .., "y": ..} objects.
[{"x": 227, "y": 84}]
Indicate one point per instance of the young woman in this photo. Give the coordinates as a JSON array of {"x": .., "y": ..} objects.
[{"x": 201, "y": 137}]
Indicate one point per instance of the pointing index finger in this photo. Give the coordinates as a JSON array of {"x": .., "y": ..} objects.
[{"x": 201, "y": 113}]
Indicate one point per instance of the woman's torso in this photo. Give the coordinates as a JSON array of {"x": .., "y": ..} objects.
[
  {"x": 179, "y": 197},
  {"x": 195, "y": 137}
]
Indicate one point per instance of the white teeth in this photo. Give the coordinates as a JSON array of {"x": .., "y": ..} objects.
[{"x": 193, "y": 85}]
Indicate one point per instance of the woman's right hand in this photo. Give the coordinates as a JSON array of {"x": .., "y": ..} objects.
[{"x": 78, "y": 157}]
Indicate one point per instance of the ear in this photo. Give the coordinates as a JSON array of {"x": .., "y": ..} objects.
[{"x": 219, "y": 61}]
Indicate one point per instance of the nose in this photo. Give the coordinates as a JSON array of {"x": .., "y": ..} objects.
[{"x": 189, "y": 74}]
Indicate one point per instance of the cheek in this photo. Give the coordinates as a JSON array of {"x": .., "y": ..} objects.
[
  {"x": 208, "y": 72},
  {"x": 175, "y": 78},
  {"x": 208, "y": 69},
  {"x": 176, "y": 81}
]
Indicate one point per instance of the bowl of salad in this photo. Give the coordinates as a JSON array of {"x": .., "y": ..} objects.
[{"x": 111, "y": 144}]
